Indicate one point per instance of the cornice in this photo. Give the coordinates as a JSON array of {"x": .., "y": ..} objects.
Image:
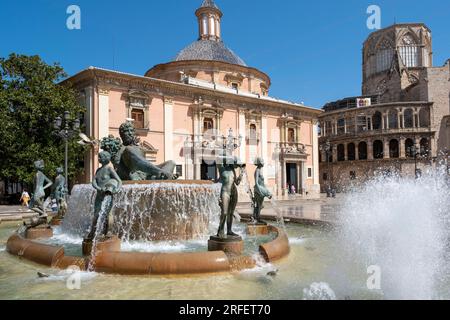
[{"x": 126, "y": 82}]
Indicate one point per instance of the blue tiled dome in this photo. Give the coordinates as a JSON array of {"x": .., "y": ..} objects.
[{"x": 209, "y": 50}]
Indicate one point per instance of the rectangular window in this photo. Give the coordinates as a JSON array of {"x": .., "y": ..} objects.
[
  {"x": 138, "y": 116},
  {"x": 310, "y": 174},
  {"x": 341, "y": 126},
  {"x": 208, "y": 124}
]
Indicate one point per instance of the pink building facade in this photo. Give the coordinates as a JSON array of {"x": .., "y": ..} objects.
[{"x": 184, "y": 109}]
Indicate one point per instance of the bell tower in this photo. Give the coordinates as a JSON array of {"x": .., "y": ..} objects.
[{"x": 209, "y": 16}]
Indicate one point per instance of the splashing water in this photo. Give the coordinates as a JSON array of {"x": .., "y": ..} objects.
[
  {"x": 400, "y": 225},
  {"x": 246, "y": 185},
  {"x": 155, "y": 211},
  {"x": 319, "y": 291},
  {"x": 279, "y": 214},
  {"x": 103, "y": 216}
]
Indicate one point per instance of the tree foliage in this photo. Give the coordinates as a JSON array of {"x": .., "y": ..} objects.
[{"x": 30, "y": 100}]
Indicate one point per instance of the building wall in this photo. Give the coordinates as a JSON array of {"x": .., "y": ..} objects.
[
  {"x": 396, "y": 89},
  {"x": 174, "y": 121}
]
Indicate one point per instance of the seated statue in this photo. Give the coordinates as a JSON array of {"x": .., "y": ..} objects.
[
  {"x": 107, "y": 183},
  {"x": 59, "y": 192},
  {"x": 41, "y": 182},
  {"x": 132, "y": 164},
  {"x": 260, "y": 192}
]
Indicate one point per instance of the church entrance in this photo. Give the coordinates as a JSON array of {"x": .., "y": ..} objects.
[
  {"x": 208, "y": 171},
  {"x": 292, "y": 177}
]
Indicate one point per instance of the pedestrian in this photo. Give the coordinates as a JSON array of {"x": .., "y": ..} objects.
[
  {"x": 293, "y": 190},
  {"x": 25, "y": 198}
]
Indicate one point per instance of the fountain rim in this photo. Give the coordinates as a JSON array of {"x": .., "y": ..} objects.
[{"x": 118, "y": 262}]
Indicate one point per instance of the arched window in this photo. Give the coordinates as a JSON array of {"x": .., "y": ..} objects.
[
  {"x": 378, "y": 149},
  {"x": 253, "y": 134},
  {"x": 393, "y": 149},
  {"x": 409, "y": 148},
  {"x": 351, "y": 155},
  {"x": 393, "y": 119},
  {"x": 208, "y": 125},
  {"x": 409, "y": 51},
  {"x": 341, "y": 152},
  {"x": 384, "y": 56},
  {"x": 291, "y": 135},
  {"x": 424, "y": 118},
  {"x": 362, "y": 151},
  {"x": 138, "y": 116},
  {"x": 424, "y": 147},
  {"x": 377, "y": 120},
  {"x": 408, "y": 116}
]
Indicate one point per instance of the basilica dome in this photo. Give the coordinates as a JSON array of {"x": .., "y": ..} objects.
[{"x": 211, "y": 50}]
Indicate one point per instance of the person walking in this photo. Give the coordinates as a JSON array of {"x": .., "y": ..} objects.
[{"x": 25, "y": 198}]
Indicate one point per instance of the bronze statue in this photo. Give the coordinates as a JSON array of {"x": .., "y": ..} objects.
[
  {"x": 260, "y": 192},
  {"x": 130, "y": 161},
  {"x": 228, "y": 194},
  {"x": 59, "y": 192},
  {"x": 107, "y": 183},
  {"x": 41, "y": 182}
]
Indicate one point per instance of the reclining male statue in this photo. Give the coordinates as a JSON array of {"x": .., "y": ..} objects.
[{"x": 131, "y": 163}]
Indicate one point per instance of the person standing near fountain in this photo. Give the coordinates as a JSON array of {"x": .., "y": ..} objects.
[
  {"x": 41, "y": 182},
  {"x": 132, "y": 164},
  {"x": 260, "y": 192},
  {"x": 107, "y": 183},
  {"x": 229, "y": 192}
]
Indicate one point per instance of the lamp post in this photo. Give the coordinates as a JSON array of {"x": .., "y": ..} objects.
[
  {"x": 66, "y": 128},
  {"x": 414, "y": 152},
  {"x": 327, "y": 148}
]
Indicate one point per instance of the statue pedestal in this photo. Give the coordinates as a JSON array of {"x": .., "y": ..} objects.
[
  {"x": 257, "y": 229},
  {"x": 39, "y": 232},
  {"x": 107, "y": 244},
  {"x": 230, "y": 245},
  {"x": 56, "y": 221}
]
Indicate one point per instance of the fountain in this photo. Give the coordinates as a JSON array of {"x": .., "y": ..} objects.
[
  {"x": 400, "y": 225},
  {"x": 111, "y": 212}
]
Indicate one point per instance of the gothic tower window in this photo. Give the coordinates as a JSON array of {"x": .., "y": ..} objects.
[
  {"x": 409, "y": 52},
  {"x": 384, "y": 56}
]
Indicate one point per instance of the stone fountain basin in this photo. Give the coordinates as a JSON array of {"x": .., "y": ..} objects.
[
  {"x": 113, "y": 261},
  {"x": 150, "y": 210}
]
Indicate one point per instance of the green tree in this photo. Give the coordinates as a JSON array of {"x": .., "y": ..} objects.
[{"x": 30, "y": 100}]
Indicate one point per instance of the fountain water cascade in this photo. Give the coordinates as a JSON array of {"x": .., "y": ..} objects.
[
  {"x": 400, "y": 225},
  {"x": 150, "y": 211}
]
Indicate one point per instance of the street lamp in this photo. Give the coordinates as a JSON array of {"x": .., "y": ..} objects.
[
  {"x": 66, "y": 129},
  {"x": 327, "y": 148},
  {"x": 412, "y": 150}
]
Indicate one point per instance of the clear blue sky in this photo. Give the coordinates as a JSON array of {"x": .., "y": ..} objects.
[{"x": 310, "y": 49}]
